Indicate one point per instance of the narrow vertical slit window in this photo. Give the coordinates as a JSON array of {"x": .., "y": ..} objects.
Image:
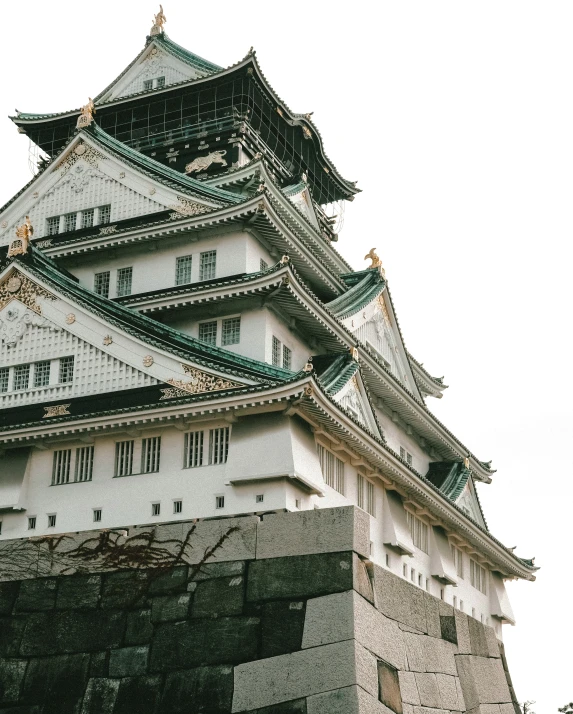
[
  {"x": 124, "y": 280},
  {"x": 183, "y": 270},
  {"x": 370, "y": 498},
  {"x": 360, "y": 481},
  {"x": 231, "y": 333},
  {"x": 193, "y": 453},
  {"x": 42, "y": 373},
  {"x": 208, "y": 265},
  {"x": 66, "y": 370},
  {"x": 208, "y": 332},
  {"x": 218, "y": 445},
  {"x": 84, "y": 463},
  {"x": 101, "y": 283},
  {"x": 150, "y": 455},
  {"x": 21, "y": 376},
  {"x": 61, "y": 467},
  {"x": 124, "y": 458}
]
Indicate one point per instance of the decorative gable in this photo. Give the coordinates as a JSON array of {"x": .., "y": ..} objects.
[
  {"x": 303, "y": 201},
  {"x": 469, "y": 503},
  {"x": 352, "y": 397}
]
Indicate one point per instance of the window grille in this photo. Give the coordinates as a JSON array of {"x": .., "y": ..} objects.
[
  {"x": 183, "y": 270},
  {"x": 177, "y": 506},
  {"x": 21, "y": 376},
  {"x": 4, "y": 377},
  {"x": 104, "y": 214},
  {"x": 219, "y": 501},
  {"x": 259, "y": 498},
  {"x": 264, "y": 264},
  {"x": 155, "y": 509},
  {"x": 150, "y": 454},
  {"x": 208, "y": 332},
  {"x": 101, "y": 283},
  {"x": 208, "y": 265},
  {"x": 61, "y": 467},
  {"x": 124, "y": 277},
  {"x": 478, "y": 576},
  {"x": 405, "y": 455},
  {"x": 458, "y": 560},
  {"x": 276, "y": 352},
  {"x": 160, "y": 82},
  {"x": 66, "y": 370},
  {"x": 218, "y": 445},
  {"x": 124, "y": 458},
  {"x": 53, "y": 226},
  {"x": 88, "y": 218},
  {"x": 332, "y": 469},
  {"x": 419, "y": 531},
  {"x": 366, "y": 495},
  {"x": 31, "y": 523},
  {"x": 147, "y": 84},
  {"x": 70, "y": 220},
  {"x": 287, "y": 357},
  {"x": 370, "y": 498},
  {"x": 231, "y": 333},
  {"x": 193, "y": 453},
  {"x": 84, "y": 463},
  {"x": 97, "y": 515},
  {"x": 52, "y": 520},
  {"x": 42, "y": 373}
]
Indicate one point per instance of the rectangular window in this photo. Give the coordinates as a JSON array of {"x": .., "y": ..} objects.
[
  {"x": 84, "y": 463},
  {"x": 104, "y": 214},
  {"x": 419, "y": 531},
  {"x": 61, "y": 467},
  {"x": 405, "y": 570},
  {"x": 208, "y": 265},
  {"x": 4, "y": 375},
  {"x": 177, "y": 506},
  {"x": 124, "y": 458},
  {"x": 413, "y": 575},
  {"x": 457, "y": 555},
  {"x": 124, "y": 277},
  {"x": 150, "y": 455},
  {"x": 52, "y": 520},
  {"x": 370, "y": 498},
  {"x": 21, "y": 376},
  {"x": 31, "y": 523},
  {"x": 147, "y": 84},
  {"x": 42, "y": 374},
  {"x": 231, "y": 334},
  {"x": 155, "y": 509},
  {"x": 420, "y": 580},
  {"x": 101, "y": 284},
  {"x": 97, "y": 515},
  {"x": 218, "y": 445},
  {"x": 53, "y": 226},
  {"x": 287, "y": 357},
  {"x": 259, "y": 498},
  {"x": 405, "y": 456},
  {"x": 160, "y": 82},
  {"x": 88, "y": 218},
  {"x": 208, "y": 332},
  {"x": 478, "y": 576},
  {"x": 183, "y": 270},
  {"x": 264, "y": 264},
  {"x": 366, "y": 495},
  {"x": 332, "y": 469},
  {"x": 276, "y": 352},
  {"x": 66, "y": 370},
  {"x": 193, "y": 454},
  {"x": 70, "y": 220},
  {"x": 219, "y": 501}
]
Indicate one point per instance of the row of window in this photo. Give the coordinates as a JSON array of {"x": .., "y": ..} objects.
[
  {"x": 78, "y": 219},
  {"x": 281, "y": 354},
  {"x": 37, "y": 374},
  {"x": 155, "y": 83},
  {"x": 333, "y": 473},
  {"x": 419, "y": 531},
  {"x": 230, "y": 331}
]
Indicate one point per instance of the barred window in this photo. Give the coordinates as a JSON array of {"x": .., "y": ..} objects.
[
  {"x": 208, "y": 332},
  {"x": 276, "y": 352},
  {"x": 177, "y": 506},
  {"x": 101, "y": 283},
  {"x": 478, "y": 576},
  {"x": 405, "y": 455},
  {"x": 21, "y": 376},
  {"x": 147, "y": 84},
  {"x": 66, "y": 370},
  {"x": 61, "y": 467},
  {"x": 287, "y": 357},
  {"x": 219, "y": 501},
  {"x": 208, "y": 265},
  {"x": 419, "y": 531},
  {"x": 88, "y": 218},
  {"x": 183, "y": 270},
  {"x": 84, "y": 463},
  {"x": 53, "y": 225},
  {"x": 104, "y": 213},
  {"x": 4, "y": 376},
  {"x": 332, "y": 469},
  {"x": 366, "y": 495},
  {"x": 150, "y": 455},
  {"x": 52, "y": 520},
  {"x": 97, "y": 515},
  {"x": 160, "y": 82},
  {"x": 42, "y": 373},
  {"x": 70, "y": 220},
  {"x": 264, "y": 264},
  {"x": 218, "y": 445},
  {"x": 31, "y": 523},
  {"x": 124, "y": 277},
  {"x": 193, "y": 452},
  {"x": 457, "y": 555},
  {"x": 231, "y": 333},
  {"x": 155, "y": 509},
  {"x": 124, "y": 458}
]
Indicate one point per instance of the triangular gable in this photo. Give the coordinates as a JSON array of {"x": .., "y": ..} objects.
[
  {"x": 352, "y": 397},
  {"x": 469, "y": 503},
  {"x": 299, "y": 196}
]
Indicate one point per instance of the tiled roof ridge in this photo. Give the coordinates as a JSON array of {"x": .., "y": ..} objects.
[{"x": 439, "y": 381}]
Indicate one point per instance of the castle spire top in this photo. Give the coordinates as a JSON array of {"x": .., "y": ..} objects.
[{"x": 158, "y": 21}]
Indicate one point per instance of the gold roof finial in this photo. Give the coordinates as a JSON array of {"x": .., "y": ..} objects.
[
  {"x": 19, "y": 246},
  {"x": 158, "y": 21},
  {"x": 376, "y": 262},
  {"x": 87, "y": 114}
]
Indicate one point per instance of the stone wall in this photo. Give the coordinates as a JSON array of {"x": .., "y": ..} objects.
[{"x": 300, "y": 623}]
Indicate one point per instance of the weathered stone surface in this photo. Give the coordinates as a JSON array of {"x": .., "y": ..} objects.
[
  {"x": 448, "y": 692},
  {"x": 433, "y": 625},
  {"x": 399, "y": 600},
  {"x": 362, "y": 582},
  {"x": 128, "y": 661},
  {"x": 448, "y": 630},
  {"x": 139, "y": 627},
  {"x": 477, "y": 638},
  {"x": 296, "y": 706},
  {"x": 278, "y": 679},
  {"x": 218, "y": 570},
  {"x": 56, "y": 683},
  {"x": 99, "y": 664},
  {"x": 36, "y": 595},
  {"x": 492, "y": 642},
  {"x": 76, "y": 592},
  {"x": 282, "y": 624},
  {"x": 415, "y": 652},
  {"x": 138, "y": 695},
  {"x": 11, "y": 631},
  {"x": 440, "y": 656},
  {"x": 173, "y": 581},
  {"x": 463, "y": 632},
  {"x": 100, "y": 696},
  {"x": 227, "y": 640},
  {"x": 72, "y": 631},
  {"x": 11, "y": 678},
  {"x": 389, "y": 687},
  {"x": 300, "y": 576},
  {"x": 348, "y": 700},
  {"x": 8, "y": 594},
  {"x": 203, "y": 689},
  {"x": 125, "y": 589},
  {"x": 219, "y": 597},
  {"x": 408, "y": 688},
  {"x": 482, "y": 680},
  {"x": 327, "y": 530},
  {"x": 165, "y": 608},
  {"x": 428, "y": 689}
]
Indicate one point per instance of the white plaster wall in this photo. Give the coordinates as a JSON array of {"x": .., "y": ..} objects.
[{"x": 396, "y": 437}]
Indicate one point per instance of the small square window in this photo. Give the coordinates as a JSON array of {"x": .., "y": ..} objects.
[
  {"x": 124, "y": 280},
  {"x": 101, "y": 284},
  {"x": 52, "y": 520},
  {"x": 231, "y": 333},
  {"x": 208, "y": 332},
  {"x": 88, "y": 218},
  {"x": 53, "y": 226},
  {"x": 147, "y": 84},
  {"x": 160, "y": 82},
  {"x": 31, "y": 523},
  {"x": 259, "y": 498},
  {"x": 70, "y": 220},
  {"x": 42, "y": 374},
  {"x": 97, "y": 515},
  {"x": 177, "y": 506},
  {"x": 104, "y": 214},
  {"x": 219, "y": 501},
  {"x": 155, "y": 509}
]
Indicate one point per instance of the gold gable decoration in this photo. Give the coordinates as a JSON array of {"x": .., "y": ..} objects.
[
  {"x": 17, "y": 286},
  {"x": 202, "y": 382},
  {"x": 19, "y": 246}
]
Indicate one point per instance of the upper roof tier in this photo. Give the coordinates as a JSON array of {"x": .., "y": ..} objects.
[{"x": 170, "y": 97}]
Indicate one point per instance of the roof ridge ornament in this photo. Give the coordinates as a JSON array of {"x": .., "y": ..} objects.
[
  {"x": 376, "y": 262},
  {"x": 19, "y": 246},
  {"x": 87, "y": 114},
  {"x": 158, "y": 21}
]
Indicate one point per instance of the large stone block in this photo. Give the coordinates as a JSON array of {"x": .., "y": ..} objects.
[
  {"x": 8, "y": 594},
  {"x": 409, "y": 688},
  {"x": 433, "y": 616},
  {"x": 207, "y": 571},
  {"x": 300, "y": 576},
  {"x": 389, "y": 687},
  {"x": 204, "y": 689},
  {"x": 126, "y": 589},
  {"x": 347, "y": 700},
  {"x": 37, "y": 595},
  {"x": 440, "y": 656},
  {"x": 282, "y": 624},
  {"x": 449, "y": 692},
  {"x": 226, "y": 640},
  {"x": 56, "y": 683},
  {"x": 174, "y": 580},
  {"x": 77, "y": 592},
  {"x": 11, "y": 631},
  {"x": 219, "y": 597},
  {"x": 11, "y": 677},
  {"x": 139, "y": 627},
  {"x": 296, "y": 706},
  {"x": 100, "y": 696},
  {"x": 428, "y": 689},
  {"x": 138, "y": 695},
  {"x": 478, "y": 638},
  {"x": 327, "y": 530},
  {"x": 448, "y": 628},
  {"x": 482, "y": 680},
  {"x": 128, "y": 661},
  {"x": 492, "y": 642},
  {"x": 463, "y": 632},
  {"x": 399, "y": 600},
  {"x": 278, "y": 679},
  {"x": 165, "y": 608}
]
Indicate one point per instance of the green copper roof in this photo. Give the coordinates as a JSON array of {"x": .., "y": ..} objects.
[
  {"x": 450, "y": 477},
  {"x": 189, "y": 57},
  {"x": 334, "y": 371},
  {"x": 364, "y": 285}
]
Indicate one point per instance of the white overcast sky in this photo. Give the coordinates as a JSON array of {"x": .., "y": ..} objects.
[{"x": 456, "y": 119}]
